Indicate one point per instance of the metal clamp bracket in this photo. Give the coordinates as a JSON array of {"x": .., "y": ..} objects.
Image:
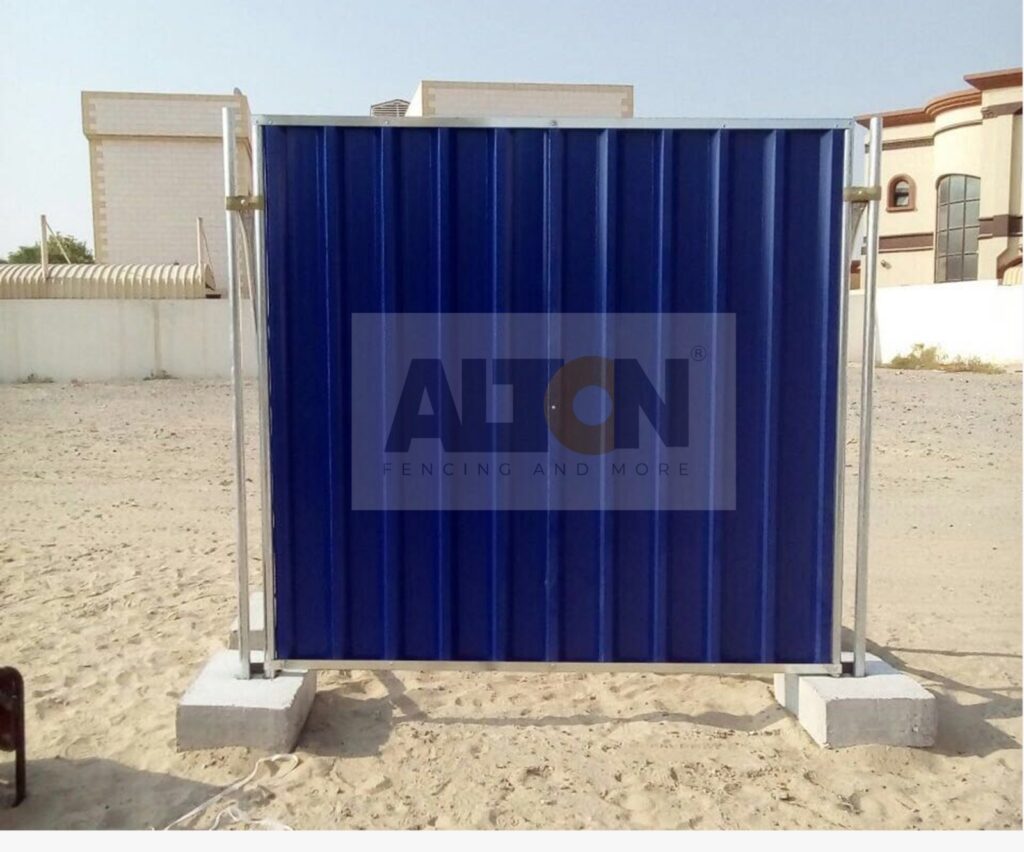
[
  {"x": 862, "y": 194},
  {"x": 243, "y": 203}
]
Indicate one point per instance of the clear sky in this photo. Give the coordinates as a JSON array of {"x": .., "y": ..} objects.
[{"x": 792, "y": 58}]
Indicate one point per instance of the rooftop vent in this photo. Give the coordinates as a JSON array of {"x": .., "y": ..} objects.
[{"x": 395, "y": 108}]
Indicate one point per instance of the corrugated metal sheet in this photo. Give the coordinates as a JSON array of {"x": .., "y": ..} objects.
[
  {"x": 106, "y": 281},
  {"x": 472, "y": 220}
]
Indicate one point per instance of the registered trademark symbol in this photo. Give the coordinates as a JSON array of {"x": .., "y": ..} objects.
[{"x": 698, "y": 353}]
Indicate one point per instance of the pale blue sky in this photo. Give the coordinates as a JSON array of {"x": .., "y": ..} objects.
[{"x": 793, "y": 58}]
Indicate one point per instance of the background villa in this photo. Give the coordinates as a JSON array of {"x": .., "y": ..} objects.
[{"x": 951, "y": 174}]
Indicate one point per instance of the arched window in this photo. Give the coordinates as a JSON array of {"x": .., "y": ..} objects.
[
  {"x": 956, "y": 228},
  {"x": 902, "y": 194}
]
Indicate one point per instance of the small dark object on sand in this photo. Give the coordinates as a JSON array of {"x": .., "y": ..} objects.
[{"x": 12, "y": 725}]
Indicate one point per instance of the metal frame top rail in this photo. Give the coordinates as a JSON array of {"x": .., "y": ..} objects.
[{"x": 581, "y": 123}]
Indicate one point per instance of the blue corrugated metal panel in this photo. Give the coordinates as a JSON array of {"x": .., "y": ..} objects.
[{"x": 473, "y": 220}]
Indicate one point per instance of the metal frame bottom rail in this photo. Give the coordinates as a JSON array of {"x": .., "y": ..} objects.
[{"x": 584, "y": 668}]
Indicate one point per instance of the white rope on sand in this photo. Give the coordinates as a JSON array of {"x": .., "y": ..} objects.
[
  {"x": 233, "y": 812},
  {"x": 239, "y": 816}
]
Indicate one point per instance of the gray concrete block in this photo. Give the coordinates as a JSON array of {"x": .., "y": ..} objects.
[
  {"x": 221, "y": 709},
  {"x": 256, "y": 622},
  {"x": 787, "y": 691},
  {"x": 885, "y": 707}
]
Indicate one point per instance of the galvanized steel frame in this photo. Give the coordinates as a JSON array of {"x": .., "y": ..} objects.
[
  {"x": 528, "y": 666},
  {"x": 272, "y": 664},
  {"x": 847, "y": 229},
  {"x": 563, "y": 123},
  {"x": 263, "y": 379}
]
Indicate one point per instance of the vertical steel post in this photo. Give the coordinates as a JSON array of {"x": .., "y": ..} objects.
[
  {"x": 261, "y": 303},
  {"x": 870, "y": 273},
  {"x": 847, "y": 229},
  {"x": 44, "y": 252},
  {"x": 235, "y": 298}
]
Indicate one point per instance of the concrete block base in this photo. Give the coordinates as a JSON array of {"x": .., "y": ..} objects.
[
  {"x": 221, "y": 709},
  {"x": 885, "y": 707},
  {"x": 256, "y": 622}
]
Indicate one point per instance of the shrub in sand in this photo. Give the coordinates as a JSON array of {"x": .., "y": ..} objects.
[{"x": 923, "y": 357}]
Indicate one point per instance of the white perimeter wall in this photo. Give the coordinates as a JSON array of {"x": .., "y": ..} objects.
[
  {"x": 969, "y": 319},
  {"x": 107, "y": 339}
]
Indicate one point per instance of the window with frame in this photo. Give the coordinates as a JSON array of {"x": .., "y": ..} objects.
[
  {"x": 901, "y": 194},
  {"x": 956, "y": 228}
]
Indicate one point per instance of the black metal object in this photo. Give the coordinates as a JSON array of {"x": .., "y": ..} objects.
[{"x": 12, "y": 725}]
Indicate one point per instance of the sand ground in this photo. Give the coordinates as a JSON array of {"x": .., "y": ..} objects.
[{"x": 116, "y": 552}]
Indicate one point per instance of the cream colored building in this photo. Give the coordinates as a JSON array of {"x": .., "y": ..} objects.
[
  {"x": 156, "y": 159},
  {"x": 468, "y": 99},
  {"x": 156, "y": 163},
  {"x": 951, "y": 182}
]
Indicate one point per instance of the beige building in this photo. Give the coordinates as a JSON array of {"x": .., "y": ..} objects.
[
  {"x": 951, "y": 182},
  {"x": 468, "y": 99},
  {"x": 156, "y": 164},
  {"x": 156, "y": 160}
]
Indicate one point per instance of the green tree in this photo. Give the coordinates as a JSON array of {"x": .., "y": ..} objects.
[{"x": 77, "y": 251}]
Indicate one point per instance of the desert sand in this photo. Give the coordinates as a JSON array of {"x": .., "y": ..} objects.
[{"x": 116, "y": 554}]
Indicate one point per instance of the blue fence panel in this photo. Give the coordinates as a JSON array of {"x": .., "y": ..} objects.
[{"x": 459, "y": 220}]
